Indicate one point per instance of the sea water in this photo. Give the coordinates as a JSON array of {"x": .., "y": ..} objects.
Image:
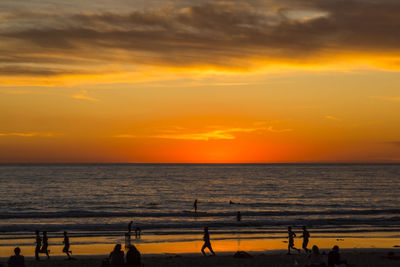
[{"x": 99, "y": 200}]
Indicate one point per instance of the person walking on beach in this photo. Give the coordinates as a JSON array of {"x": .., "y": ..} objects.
[
  {"x": 305, "y": 236},
  {"x": 45, "y": 245},
  {"x": 291, "y": 236},
  {"x": 17, "y": 260},
  {"x": 207, "y": 243},
  {"x": 195, "y": 205},
  {"x": 66, "y": 245},
  {"x": 133, "y": 257},
  {"x": 38, "y": 245},
  {"x": 117, "y": 257}
]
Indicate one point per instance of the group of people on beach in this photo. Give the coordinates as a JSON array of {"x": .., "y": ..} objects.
[
  {"x": 138, "y": 231},
  {"x": 117, "y": 258},
  {"x": 133, "y": 256},
  {"x": 42, "y": 244},
  {"x": 315, "y": 257}
]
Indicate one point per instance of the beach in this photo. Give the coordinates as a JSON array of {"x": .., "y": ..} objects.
[{"x": 355, "y": 258}]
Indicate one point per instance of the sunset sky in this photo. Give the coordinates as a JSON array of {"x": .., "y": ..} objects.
[{"x": 199, "y": 81}]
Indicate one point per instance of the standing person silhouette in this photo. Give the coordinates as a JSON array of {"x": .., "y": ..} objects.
[
  {"x": 138, "y": 232},
  {"x": 305, "y": 236},
  {"x": 45, "y": 245},
  {"x": 130, "y": 227},
  {"x": 38, "y": 245},
  {"x": 291, "y": 236},
  {"x": 66, "y": 245},
  {"x": 207, "y": 243},
  {"x": 195, "y": 205}
]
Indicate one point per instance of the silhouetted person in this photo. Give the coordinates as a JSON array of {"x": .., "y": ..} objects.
[
  {"x": 130, "y": 227},
  {"x": 133, "y": 257},
  {"x": 305, "y": 236},
  {"x": 291, "y": 236},
  {"x": 334, "y": 257},
  {"x": 316, "y": 259},
  {"x": 238, "y": 216},
  {"x": 207, "y": 242},
  {"x": 38, "y": 245},
  {"x": 138, "y": 232},
  {"x": 16, "y": 260},
  {"x": 117, "y": 257},
  {"x": 195, "y": 205},
  {"x": 45, "y": 245},
  {"x": 66, "y": 245}
]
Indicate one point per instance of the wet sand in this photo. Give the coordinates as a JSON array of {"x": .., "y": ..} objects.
[{"x": 355, "y": 257}]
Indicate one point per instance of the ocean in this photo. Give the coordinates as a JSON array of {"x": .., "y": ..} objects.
[{"x": 99, "y": 200}]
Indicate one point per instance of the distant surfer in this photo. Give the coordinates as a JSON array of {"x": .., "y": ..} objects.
[
  {"x": 291, "y": 236},
  {"x": 207, "y": 242},
  {"x": 238, "y": 216},
  {"x": 195, "y": 205}
]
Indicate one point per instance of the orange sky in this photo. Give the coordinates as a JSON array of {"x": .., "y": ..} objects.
[{"x": 199, "y": 81}]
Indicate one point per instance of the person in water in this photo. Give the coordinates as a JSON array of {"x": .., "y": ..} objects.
[
  {"x": 291, "y": 236},
  {"x": 133, "y": 257},
  {"x": 66, "y": 246},
  {"x": 238, "y": 216},
  {"x": 45, "y": 245},
  {"x": 17, "y": 260},
  {"x": 305, "y": 236},
  {"x": 38, "y": 245},
  {"x": 207, "y": 242},
  {"x": 117, "y": 257},
  {"x": 195, "y": 205}
]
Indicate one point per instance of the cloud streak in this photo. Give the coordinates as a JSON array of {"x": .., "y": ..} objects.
[
  {"x": 224, "y": 134},
  {"x": 31, "y": 134},
  {"x": 84, "y": 96},
  {"x": 221, "y": 34},
  {"x": 332, "y": 118},
  {"x": 387, "y": 98}
]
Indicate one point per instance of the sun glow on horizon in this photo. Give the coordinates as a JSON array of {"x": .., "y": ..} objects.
[{"x": 199, "y": 81}]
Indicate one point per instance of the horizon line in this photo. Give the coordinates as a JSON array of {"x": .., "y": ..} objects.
[{"x": 195, "y": 163}]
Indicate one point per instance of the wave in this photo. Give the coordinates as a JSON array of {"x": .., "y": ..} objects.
[
  {"x": 103, "y": 214},
  {"x": 328, "y": 223}
]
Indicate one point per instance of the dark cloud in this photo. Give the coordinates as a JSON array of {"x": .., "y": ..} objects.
[
  {"x": 32, "y": 71},
  {"x": 211, "y": 33}
]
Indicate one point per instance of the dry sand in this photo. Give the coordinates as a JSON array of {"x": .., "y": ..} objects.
[{"x": 355, "y": 257}]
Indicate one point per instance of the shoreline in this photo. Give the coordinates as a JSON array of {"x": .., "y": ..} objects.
[{"x": 189, "y": 244}]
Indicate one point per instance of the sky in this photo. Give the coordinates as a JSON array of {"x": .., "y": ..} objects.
[{"x": 182, "y": 81}]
